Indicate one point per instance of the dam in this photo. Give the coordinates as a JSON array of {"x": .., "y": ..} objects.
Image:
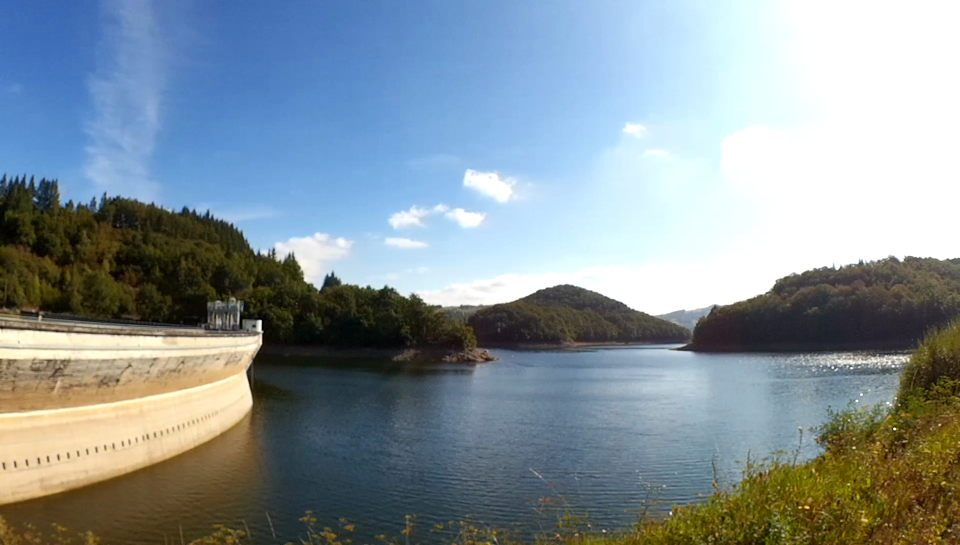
[{"x": 85, "y": 402}]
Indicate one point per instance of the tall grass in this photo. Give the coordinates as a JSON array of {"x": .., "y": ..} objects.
[{"x": 938, "y": 356}]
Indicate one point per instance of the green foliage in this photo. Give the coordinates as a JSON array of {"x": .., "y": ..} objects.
[
  {"x": 330, "y": 281},
  {"x": 856, "y": 424},
  {"x": 569, "y": 314},
  {"x": 937, "y": 356},
  {"x": 58, "y": 535},
  {"x": 876, "y": 302},
  {"x": 118, "y": 257}
]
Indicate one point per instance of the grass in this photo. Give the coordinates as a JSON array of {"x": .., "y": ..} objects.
[{"x": 887, "y": 475}]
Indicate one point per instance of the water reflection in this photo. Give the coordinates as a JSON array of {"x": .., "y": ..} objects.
[
  {"x": 380, "y": 367},
  {"x": 601, "y": 428},
  {"x": 217, "y": 481}
]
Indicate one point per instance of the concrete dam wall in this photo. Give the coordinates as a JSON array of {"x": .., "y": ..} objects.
[{"x": 82, "y": 403}]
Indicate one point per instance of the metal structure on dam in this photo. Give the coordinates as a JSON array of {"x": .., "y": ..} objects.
[{"x": 84, "y": 402}]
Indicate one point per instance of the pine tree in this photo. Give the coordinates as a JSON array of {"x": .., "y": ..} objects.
[
  {"x": 48, "y": 195},
  {"x": 330, "y": 281}
]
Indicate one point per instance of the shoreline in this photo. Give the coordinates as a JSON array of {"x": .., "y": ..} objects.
[
  {"x": 803, "y": 347},
  {"x": 398, "y": 355},
  {"x": 572, "y": 345}
]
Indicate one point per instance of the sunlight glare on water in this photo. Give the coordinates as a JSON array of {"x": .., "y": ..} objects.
[{"x": 599, "y": 430}]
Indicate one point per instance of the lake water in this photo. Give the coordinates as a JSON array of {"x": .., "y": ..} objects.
[{"x": 602, "y": 429}]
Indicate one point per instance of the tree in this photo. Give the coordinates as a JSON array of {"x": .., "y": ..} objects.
[
  {"x": 868, "y": 302},
  {"x": 330, "y": 281},
  {"x": 48, "y": 196},
  {"x": 120, "y": 257}
]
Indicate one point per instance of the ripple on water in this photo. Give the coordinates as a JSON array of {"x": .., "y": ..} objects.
[{"x": 604, "y": 428}]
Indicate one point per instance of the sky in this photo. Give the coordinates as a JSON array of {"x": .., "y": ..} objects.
[{"x": 668, "y": 154}]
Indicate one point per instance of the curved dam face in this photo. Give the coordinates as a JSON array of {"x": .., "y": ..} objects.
[{"x": 82, "y": 403}]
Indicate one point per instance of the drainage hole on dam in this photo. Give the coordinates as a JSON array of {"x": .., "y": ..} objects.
[{"x": 123, "y": 443}]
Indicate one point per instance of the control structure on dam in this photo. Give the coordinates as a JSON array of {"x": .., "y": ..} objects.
[{"x": 84, "y": 402}]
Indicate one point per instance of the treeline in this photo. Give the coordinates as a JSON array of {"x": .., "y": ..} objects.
[
  {"x": 120, "y": 258},
  {"x": 569, "y": 314},
  {"x": 879, "y": 302}
]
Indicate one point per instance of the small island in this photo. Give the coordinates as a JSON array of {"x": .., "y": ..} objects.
[{"x": 569, "y": 316}]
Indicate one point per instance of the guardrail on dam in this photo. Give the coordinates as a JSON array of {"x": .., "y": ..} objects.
[{"x": 82, "y": 403}]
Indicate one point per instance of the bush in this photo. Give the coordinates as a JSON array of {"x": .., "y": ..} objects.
[{"x": 938, "y": 356}]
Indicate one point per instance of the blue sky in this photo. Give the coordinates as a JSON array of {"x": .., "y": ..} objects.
[{"x": 669, "y": 154}]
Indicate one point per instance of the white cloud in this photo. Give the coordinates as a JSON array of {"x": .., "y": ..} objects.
[
  {"x": 415, "y": 216},
  {"x": 409, "y": 218},
  {"x": 635, "y": 130},
  {"x": 127, "y": 91},
  {"x": 490, "y": 184},
  {"x": 656, "y": 153},
  {"x": 314, "y": 252},
  {"x": 465, "y": 219},
  {"x": 419, "y": 270},
  {"x": 405, "y": 243}
]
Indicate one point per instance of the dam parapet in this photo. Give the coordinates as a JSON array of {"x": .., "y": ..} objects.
[{"x": 130, "y": 394}]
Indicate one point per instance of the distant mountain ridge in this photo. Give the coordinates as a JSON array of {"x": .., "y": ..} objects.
[
  {"x": 461, "y": 313},
  {"x": 686, "y": 318},
  {"x": 569, "y": 314}
]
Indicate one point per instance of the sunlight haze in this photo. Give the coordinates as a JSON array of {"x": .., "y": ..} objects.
[{"x": 669, "y": 155}]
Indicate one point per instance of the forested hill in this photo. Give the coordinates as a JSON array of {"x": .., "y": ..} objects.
[
  {"x": 118, "y": 257},
  {"x": 569, "y": 314},
  {"x": 873, "y": 303}
]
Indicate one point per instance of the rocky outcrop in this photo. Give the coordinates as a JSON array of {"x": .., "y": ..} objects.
[{"x": 433, "y": 355}]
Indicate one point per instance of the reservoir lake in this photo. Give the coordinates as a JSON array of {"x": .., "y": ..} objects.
[{"x": 508, "y": 444}]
